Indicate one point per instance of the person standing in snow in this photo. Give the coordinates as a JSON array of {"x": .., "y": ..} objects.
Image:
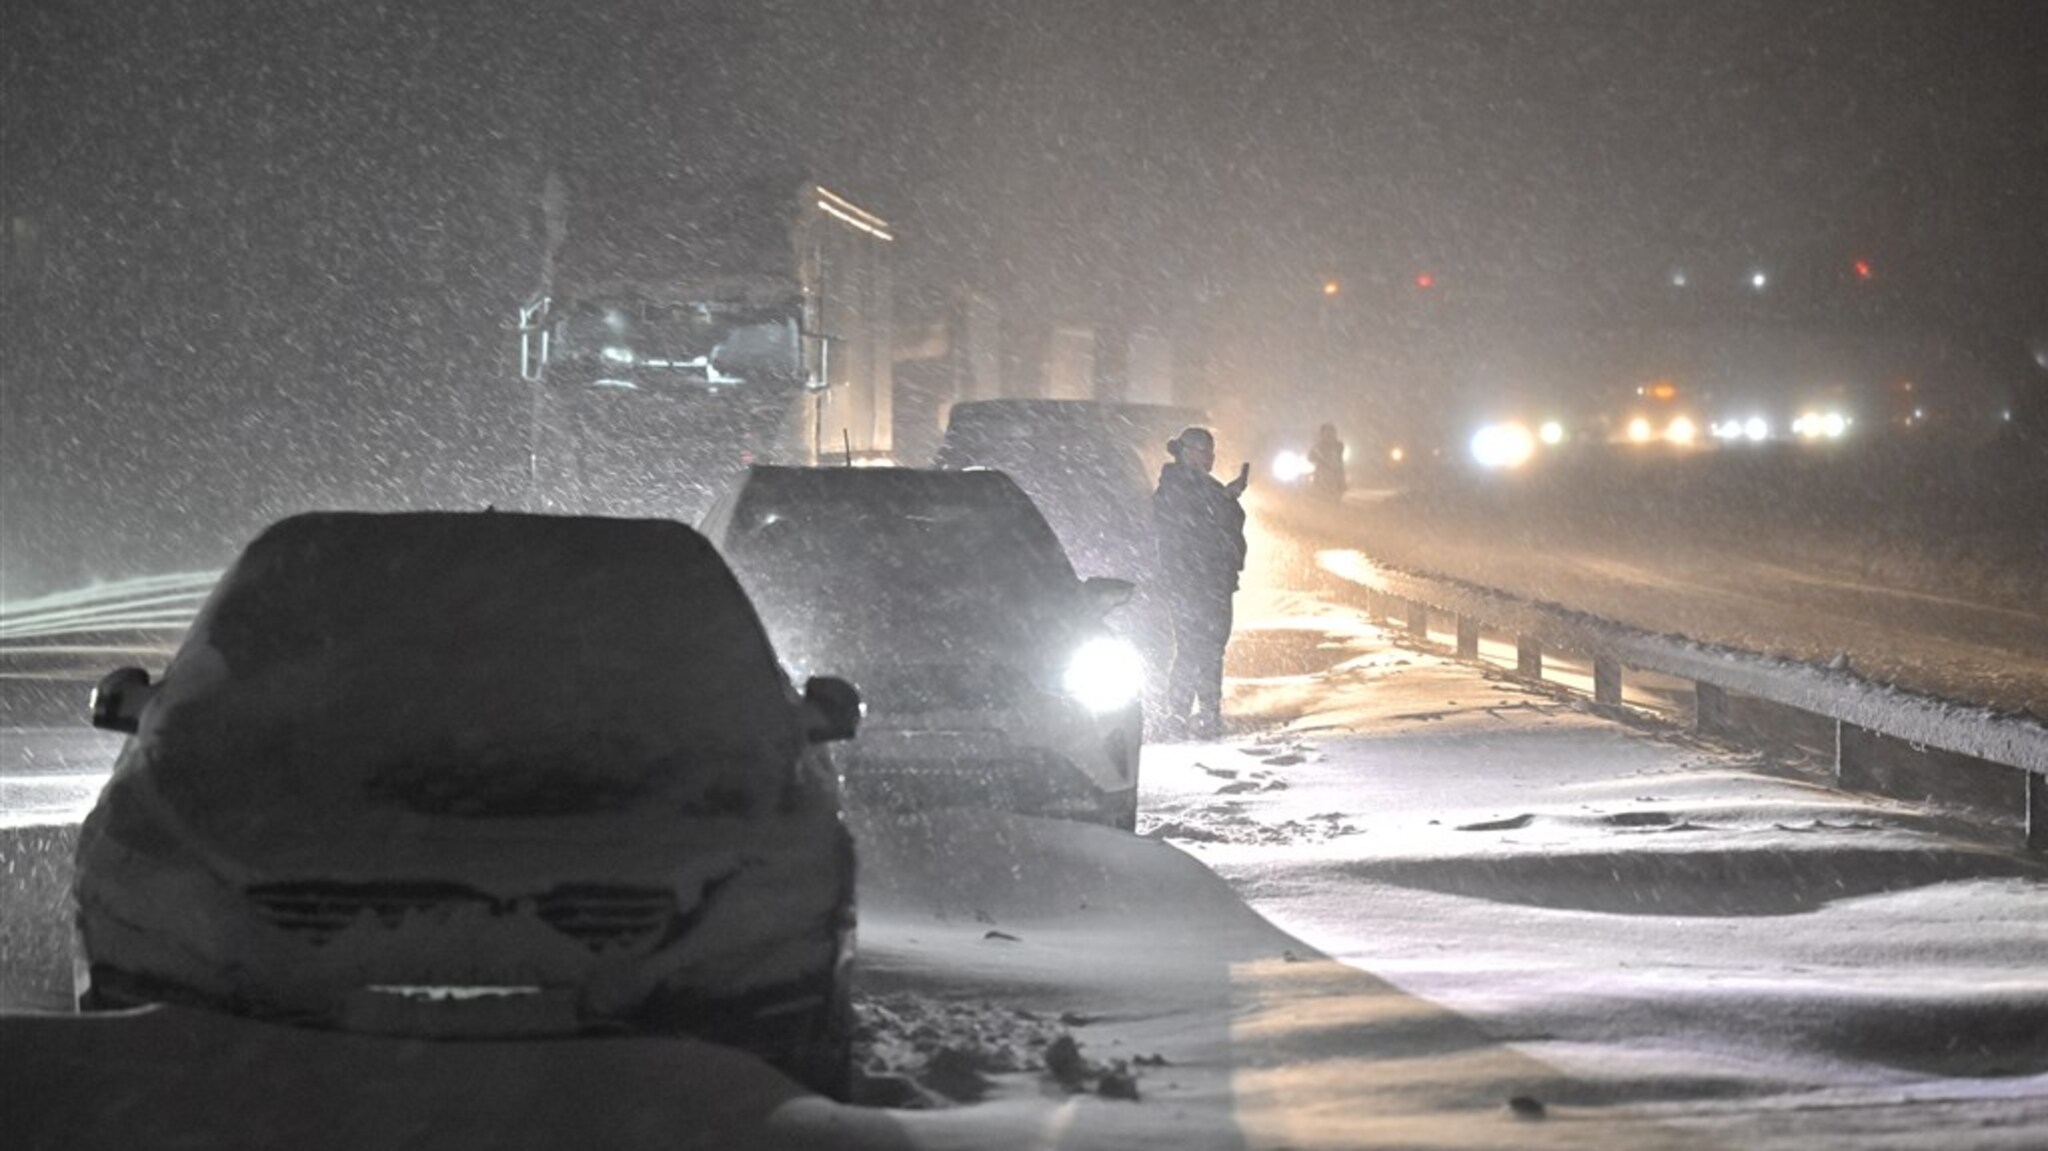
[
  {"x": 1327, "y": 458},
  {"x": 1200, "y": 529}
]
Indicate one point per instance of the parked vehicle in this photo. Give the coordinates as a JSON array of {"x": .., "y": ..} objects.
[
  {"x": 987, "y": 669},
  {"x": 1079, "y": 462},
  {"x": 671, "y": 342},
  {"x": 478, "y": 775},
  {"x": 1090, "y": 467}
]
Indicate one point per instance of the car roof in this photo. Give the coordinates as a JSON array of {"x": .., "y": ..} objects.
[
  {"x": 840, "y": 500},
  {"x": 774, "y": 483}
]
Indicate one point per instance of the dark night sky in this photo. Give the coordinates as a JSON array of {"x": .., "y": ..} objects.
[{"x": 261, "y": 255}]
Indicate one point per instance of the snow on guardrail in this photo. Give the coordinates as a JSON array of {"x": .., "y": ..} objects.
[{"x": 2014, "y": 740}]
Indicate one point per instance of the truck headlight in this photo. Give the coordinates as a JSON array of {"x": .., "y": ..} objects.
[{"x": 1104, "y": 675}]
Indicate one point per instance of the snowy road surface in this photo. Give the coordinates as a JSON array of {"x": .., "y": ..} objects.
[{"x": 1407, "y": 904}]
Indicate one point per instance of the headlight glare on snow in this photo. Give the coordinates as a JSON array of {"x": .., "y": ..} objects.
[{"x": 1104, "y": 675}]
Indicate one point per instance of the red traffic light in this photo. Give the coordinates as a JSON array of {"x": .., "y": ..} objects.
[
  {"x": 1863, "y": 270},
  {"x": 1424, "y": 280}
]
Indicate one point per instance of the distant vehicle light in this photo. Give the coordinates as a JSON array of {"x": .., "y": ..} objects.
[
  {"x": 1551, "y": 433},
  {"x": 1396, "y": 455},
  {"x": 1291, "y": 467},
  {"x": 1821, "y": 425},
  {"x": 1759, "y": 281},
  {"x": 1639, "y": 431},
  {"x": 1681, "y": 430},
  {"x": 1425, "y": 281},
  {"x": 1757, "y": 429},
  {"x": 1104, "y": 675},
  {"x": 1503, "y": 445}
]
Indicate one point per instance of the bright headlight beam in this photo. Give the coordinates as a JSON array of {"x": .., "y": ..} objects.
[
  {"x": 1503, "y": 446},
  {"x": 1104, "y": 675},
  {"x": 1290, "y": 467}
]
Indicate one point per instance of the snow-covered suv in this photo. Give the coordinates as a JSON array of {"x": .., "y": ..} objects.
[
  {"x": 986, "y": 666},
  {"x": 477, "y": 775}
]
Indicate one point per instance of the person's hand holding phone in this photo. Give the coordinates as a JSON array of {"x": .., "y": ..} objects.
[{"x": 1243, "y": 480}]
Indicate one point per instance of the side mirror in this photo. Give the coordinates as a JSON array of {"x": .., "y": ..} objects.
[
  {"x": 832, "y": 709},
  {"x": 118, "y": 701},
  {"x": 1108, "y": 594}
]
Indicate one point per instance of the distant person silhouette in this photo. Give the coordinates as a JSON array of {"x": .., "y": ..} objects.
[{"x": 1327, "y": 457}]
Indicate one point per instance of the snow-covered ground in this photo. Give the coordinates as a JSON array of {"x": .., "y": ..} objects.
[{"x": 1408, "y": 903}]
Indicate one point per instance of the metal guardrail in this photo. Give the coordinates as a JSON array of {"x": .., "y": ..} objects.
[
  {"x": 1858, "y": 707},
  {"x": 161, "y": 604}
]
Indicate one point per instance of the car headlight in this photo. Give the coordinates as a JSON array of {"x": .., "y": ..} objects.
[
  {"x": 1292, "y": 467},
  {"x": 1503, "y": 445},
  {"x": 1104, "y": 675}
]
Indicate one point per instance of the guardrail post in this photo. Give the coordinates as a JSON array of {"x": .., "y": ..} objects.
[
  {"x": 1528, "y": 657},
  {"x": 1607, "y": 680},
  {"x": 1418, "y": 619},
  {"x": 1852, "y": 746},
  {"x": 1710, "y": 708},
  {"x": 2037, "y": 812},
  {"x": 1468, "y": 637}
]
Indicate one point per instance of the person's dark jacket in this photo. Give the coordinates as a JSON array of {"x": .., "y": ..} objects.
[{"x": 1200, "y": 527}]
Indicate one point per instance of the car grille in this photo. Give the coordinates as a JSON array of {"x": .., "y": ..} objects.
[{"x": 600, "y": 917}]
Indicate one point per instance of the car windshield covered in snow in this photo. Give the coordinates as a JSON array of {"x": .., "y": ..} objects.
[
  {"x": 962, "y": 558},
  {"x": 451, "y": 663}
]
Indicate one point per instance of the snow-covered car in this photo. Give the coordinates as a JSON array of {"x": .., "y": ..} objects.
[
  {"x": 1078, "y": 461},
  {"x": 987, "y": 668},
  {"x": 468, "y": 775}
]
